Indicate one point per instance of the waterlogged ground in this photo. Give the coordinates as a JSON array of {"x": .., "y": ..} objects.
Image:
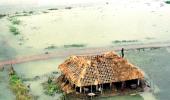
[
  {"x": 92, "y": 26},
  {"x": 154, "y": 62},
  {"x": 106, "y": 24},
  {"x": 38, "y": 72},
  {"x": 5, "y": 93}
]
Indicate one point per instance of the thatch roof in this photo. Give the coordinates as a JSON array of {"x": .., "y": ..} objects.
[{"x": 98, "y": 69}]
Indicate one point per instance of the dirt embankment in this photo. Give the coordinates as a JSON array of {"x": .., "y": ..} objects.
[{"x": 83, "y": 51}]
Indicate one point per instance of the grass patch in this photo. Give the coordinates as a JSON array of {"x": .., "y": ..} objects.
[
  {"x": 31, "y": 12},
  {"x": 51, "y": 47},
  {"x": 2, "y": 15},
  {"x": 68, "y": 7},
  {"x": 24, "y": 13},
  {"x": 124, "y": 41},
  {"x": 167, "y": 2},
  {"x": 74, "y": 45},
  {"x": 18, "y": 88},
  {"x": 45, "y": 12},
  {"x": 149, "y": 38},
  {"x": 14, "y": 30},
  {"x": 16, "y": 12},
  {"x": 51, "y": 88},
  {"x": 15, "y": 21},
  {"x": 63, "y": 96},
  {"x": 53, "y": 9}
]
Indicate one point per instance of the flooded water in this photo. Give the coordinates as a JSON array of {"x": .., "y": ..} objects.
[
  {"x": 103, "y": 25},
  {"x": 156, "y": 64},
  {"x": 42, "y": 70},
  {"x": 5, "y": 93}
]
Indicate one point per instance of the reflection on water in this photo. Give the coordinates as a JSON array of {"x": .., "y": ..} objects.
[
  {"x": 148, "y": 96},
  {"x": 156, "y": 64},
  {"x": 136, "y": 97}
]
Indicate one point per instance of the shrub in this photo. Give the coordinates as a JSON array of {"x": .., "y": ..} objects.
[
  {"x": 68, "y": 7},
  {"x": 63, "y": 96},
  {"x": 45, "y": 11},
  {"x": 74, "y": 45},
  {"x": 124, "y": 41},
  {"x": 50, "y": 87},
  {"x": 14, "y": 30},
  {"x": 51, "y": 47},
  {"x": 17, "y": 86},
  {"x": 31, "y": 12},
  {"x": 168, "y": 2},
  {"x": 2, "y": 15},
  {"x": 15, "y": 21},
  {"x": 53, "y": 9}
]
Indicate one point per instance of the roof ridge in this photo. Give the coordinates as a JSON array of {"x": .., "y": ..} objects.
[{"x": 98, "y": 69}]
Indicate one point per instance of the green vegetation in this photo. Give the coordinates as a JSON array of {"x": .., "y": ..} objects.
[
  {"x": 16, "y": 13},
  {"x": 149, "y": 38},
  {"x": 68, "y": 7},
  {"x": 51, "y": 47},
  {"x": 14, "y": 30},
  {"x": 24, "y": 13},
  {"x": 31, "y": 12},
  {"x": 2, "y": 15},
  {"x": 74, "y": 45},
  {"x": 53, "y": 9},
  {"x": 63, "y": 96},
  {"x": 45, "y": 11},
  {"x": 124, "y": 41},
  {"x": 17, "y": 86},
  {"x": 50, "y": 87},
  {"x": 168, "y": 2},
  {"x": 14, "y": 20}
]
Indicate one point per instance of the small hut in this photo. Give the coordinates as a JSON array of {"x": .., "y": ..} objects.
[{"x": 98, "y": 74}]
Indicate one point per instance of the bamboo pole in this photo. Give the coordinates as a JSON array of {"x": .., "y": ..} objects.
[
  {"x": 138, "y": 82},
  {"x": 80, "y": 89},
  {"x": 91, "y": 88}
]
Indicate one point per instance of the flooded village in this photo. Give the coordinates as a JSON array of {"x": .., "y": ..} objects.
[
  {"x": 84, "y": 50},
  {"x": 106, "y": 75}
]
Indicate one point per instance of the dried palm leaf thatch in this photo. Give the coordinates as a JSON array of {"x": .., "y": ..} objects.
[{"x": 99, "y": 69}]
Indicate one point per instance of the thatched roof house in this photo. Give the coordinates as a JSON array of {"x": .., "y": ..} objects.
[{"x": 90, "y": 70}]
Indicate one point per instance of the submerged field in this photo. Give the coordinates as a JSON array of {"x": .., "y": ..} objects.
[
  {"x": 107, "y": 25},
  {"x": 155, "y": 64}
]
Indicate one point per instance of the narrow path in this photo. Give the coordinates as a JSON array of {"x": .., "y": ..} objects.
[{"x": 82, "y": 51}]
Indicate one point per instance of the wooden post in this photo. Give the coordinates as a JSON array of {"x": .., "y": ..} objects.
[
  {"x": 110, "y": 85},
  {"x": 96, "y": 87},
  {"x": 138, "y": 82},
  {"x": 80, "y": 89},
  {"x": 75, "y": 88},
  {"x": 91, "y": 88},
  {"x": 102, "y": 88},
  {"x": 122, "y": 86}
]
